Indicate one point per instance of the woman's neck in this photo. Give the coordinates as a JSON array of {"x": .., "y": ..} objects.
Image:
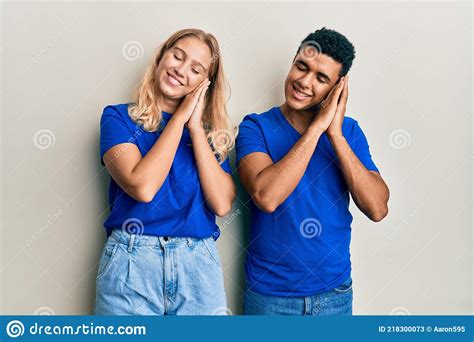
[{"x": 167, "y": 104}]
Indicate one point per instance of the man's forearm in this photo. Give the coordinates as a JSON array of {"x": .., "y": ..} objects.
[
  {"x": 369, "y": 191},
  {"x": 277, "y": 181}
]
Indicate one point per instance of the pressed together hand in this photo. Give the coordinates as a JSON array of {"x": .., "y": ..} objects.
[
  {"x": 333, "y": 108},
  {"x": 191, "y": 108}
]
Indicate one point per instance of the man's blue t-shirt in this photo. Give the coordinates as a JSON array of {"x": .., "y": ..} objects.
[
  {"x": 178, "y": 208},
  {"x": 302, "y": 248}
]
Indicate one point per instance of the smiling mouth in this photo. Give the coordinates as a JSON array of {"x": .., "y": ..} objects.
[
  {"x": 298, "y": 94},
  {"x": 173, "y": 80}
]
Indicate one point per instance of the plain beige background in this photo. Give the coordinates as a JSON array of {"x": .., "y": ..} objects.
[{"x": 410, "y": 91}]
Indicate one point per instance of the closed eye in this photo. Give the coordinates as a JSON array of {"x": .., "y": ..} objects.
[
  {"x": 322, "y": 80},
  {"x": 300, "y": 67}
]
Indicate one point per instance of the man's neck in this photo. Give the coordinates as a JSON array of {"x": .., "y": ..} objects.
[{"x": 300, "y": 120}]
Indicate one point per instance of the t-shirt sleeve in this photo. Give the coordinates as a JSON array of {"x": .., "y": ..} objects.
[
  {"x": 360, "y": 146},
  {"x": 250, "y": 138},
  {"x": 226, "y": 166},
  {"x": 113, "y": 131}
]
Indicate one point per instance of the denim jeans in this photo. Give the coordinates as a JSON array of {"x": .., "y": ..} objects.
[
  {"x": 336, "y": 302},
  {"x": 151, "y": 275}
]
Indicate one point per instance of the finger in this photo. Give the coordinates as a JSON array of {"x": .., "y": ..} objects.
[
  {"x": 341, "y": 106},
  {"x": 345, "y": 91},
  {"x": 202, "y": 95},
  {"x": 197, "y": 91},
  {"x": 200, "y": 100},
  {"x": 337, "y": 93},
  {"x": 329, "y": 96},
  {"x": 347, "y": 86}
]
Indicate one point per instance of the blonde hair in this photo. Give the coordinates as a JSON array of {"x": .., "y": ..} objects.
[{"x": 145, "y": 110}]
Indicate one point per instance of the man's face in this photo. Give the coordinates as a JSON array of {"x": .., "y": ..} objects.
[{"x": 311, "y": 77}]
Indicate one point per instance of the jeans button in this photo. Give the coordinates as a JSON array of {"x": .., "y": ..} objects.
[{"x": 165, "y": 238}]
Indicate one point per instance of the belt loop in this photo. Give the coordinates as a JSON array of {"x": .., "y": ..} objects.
[
  {"x": 190, "y": 241},
  {"x": 131, "y": 242},
  {"x": 307, "y": 307}
]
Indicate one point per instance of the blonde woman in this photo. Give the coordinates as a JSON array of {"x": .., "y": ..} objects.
[{"x": 167, "y": 154}]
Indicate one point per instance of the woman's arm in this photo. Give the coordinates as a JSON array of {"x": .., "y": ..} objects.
[
  {"x": 217, "y": 185},
  {"x": 142, "y": 177}
]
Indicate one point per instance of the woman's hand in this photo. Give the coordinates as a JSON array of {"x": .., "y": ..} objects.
[
  {"x": 195, "y": 121},
  {"x": 188, "y": 105}
]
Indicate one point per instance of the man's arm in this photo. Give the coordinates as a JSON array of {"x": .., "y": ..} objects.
[
  {"x": 269, "y": 184},
  {"x": 369, "y": 191}
]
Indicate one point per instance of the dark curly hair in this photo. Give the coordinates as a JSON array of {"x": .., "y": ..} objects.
[{"x": 333, "y": 44}]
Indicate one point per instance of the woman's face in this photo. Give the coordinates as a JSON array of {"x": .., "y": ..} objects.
[{"x": 183, "y": 67}]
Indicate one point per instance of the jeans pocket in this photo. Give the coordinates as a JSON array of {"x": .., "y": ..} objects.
[
  {"x": 211, "y": 249},
  {"x": 345, "y": 287},
  {"x": 108, "y": 254}
]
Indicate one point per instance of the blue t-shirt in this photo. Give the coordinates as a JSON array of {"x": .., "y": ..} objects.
[
  {"x": 302, "y": 248},
  {"x": 178, "y": 208}
]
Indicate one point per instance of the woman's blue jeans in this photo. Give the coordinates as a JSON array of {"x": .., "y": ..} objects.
[{"x": 151, "y": 275}]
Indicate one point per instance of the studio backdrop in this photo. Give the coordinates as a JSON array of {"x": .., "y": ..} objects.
[{"x": 410, "y": 91}]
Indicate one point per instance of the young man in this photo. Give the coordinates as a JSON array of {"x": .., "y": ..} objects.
[{"x": 299, "y": 162}]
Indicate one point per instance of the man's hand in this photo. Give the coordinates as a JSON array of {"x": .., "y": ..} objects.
[
  {"x": 335, "y": 128},
  {"x": 328, "y": 107}
]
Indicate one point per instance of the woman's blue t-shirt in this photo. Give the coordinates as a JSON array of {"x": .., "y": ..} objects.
[
  {"x": 178, "y": 208},
  {"x": 302, "y": 248}
]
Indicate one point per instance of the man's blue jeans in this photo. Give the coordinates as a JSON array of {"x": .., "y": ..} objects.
[
  {"x": 150, "y": 275},
  {"x": 336, "y": 302}
]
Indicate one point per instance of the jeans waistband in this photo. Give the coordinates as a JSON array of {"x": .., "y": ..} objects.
[{"x": 132, "y": 239}]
